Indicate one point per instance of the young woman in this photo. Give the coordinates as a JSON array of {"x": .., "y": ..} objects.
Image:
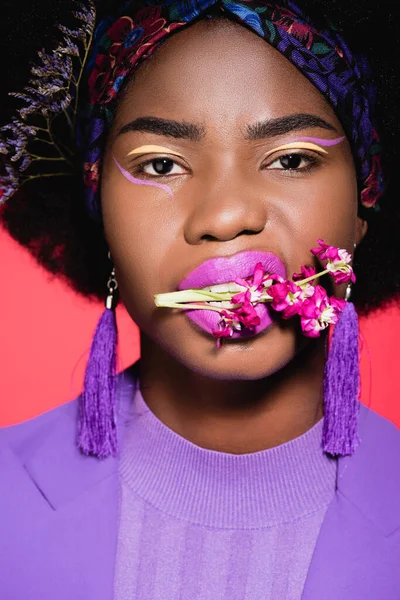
[{"x": 228, "y": 144}]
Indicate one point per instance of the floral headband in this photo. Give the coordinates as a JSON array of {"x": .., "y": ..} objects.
[{"x": 121, "y": 44}]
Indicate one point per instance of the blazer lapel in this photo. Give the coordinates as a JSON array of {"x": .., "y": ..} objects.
[
  {"x": 358, "y": 549},
  {"x": 62, "y": 512}
]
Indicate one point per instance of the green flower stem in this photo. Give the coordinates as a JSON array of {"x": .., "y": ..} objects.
[
  {"x": 41, "y": 129},
  {"x": 38, "y": 139},
  {"x": 61, "y": 153},
  {"x": 35, "y": 157},
  {"x": 64, "y": 147},
  {"x": 265, "y": 298},
  {"x": 189, "y": 306},
  {"x": 68, "y": 118},
  {"x": 192, "y": 296},
  {"x": 83, "y": 61},
  {"x": 185, "y": 299},
  {"x": 316, "y": 276},
  {"x": 47, "y": 175}
]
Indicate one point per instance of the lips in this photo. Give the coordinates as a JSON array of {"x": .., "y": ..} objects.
[{"x": 226, "y": 269}]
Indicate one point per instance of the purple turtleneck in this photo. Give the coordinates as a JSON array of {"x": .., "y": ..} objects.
[{"x": 197, "y": 524}]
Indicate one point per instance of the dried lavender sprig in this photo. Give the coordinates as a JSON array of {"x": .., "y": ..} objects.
[
  {"x": 87, "y": 14},
  {"x": 69, "y": 48},
  {"x": 16, "y": 141},
  {"x": 49, "y": 94},
  {"x": 8, "y": 182},
  {"x": 56, "y": 65}
]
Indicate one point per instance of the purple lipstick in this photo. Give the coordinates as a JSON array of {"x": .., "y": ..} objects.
[{"x": 224, "y": 270}]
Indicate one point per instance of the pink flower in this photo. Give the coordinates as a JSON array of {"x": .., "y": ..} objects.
[
  {"x": 339, "y": 262},
  {"x": 224, "y": 330},
  {"x": 338, "y": 304},
  {"x": 325, "y": 252},
  {"x": 226, "y": 326},
  {"x": 315, "y": 309},
  {"x": 318, "y": 312},
  {"x": 253, "y": 285},
  {"x": 247, "y": 314},
  {"x": 234, "y": 320},
  {"x": 286, "y": 298},
  {"x": 341, "y": 269},
  {"x": 305, "y": 272}
]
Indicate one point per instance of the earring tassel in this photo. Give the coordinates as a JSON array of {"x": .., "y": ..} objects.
[
  {"x": 341, "y": 387},
  {"x": 97, "y": 430}
]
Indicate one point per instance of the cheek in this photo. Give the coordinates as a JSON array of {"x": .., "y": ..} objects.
[
  {"x": 325, "y": 208},
  {"x": 142, "y": 227}
]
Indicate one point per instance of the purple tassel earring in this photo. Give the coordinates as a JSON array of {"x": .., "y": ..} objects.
[
  {"x": 341, "y": 385},
  {"x": 97, "y": 429}
]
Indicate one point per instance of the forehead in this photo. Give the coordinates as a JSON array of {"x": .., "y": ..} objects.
[{"x": 222, "y": 74}]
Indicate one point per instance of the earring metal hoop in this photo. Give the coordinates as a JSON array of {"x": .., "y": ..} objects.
[{"x": 112, "y": 285}]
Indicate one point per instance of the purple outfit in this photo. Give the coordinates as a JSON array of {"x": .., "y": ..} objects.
[
  {"x": 201, "y": 525},
  {"x": 59, "y": 511}
]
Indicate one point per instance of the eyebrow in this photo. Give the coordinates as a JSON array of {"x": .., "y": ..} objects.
[
  {"x": 256, "y": 131},
  {"x": 283, "y": 125},
  {"x": 165, "y": 127}
]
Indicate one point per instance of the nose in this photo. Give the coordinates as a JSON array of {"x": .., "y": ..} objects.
[{"x": 224, "y": 212}]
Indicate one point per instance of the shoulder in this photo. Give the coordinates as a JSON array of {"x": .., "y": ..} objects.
[
  {"x": 379, "y": 430},
  {"x": 379, "y": 442},
  {"x": 371, "y": 478},
  {"x": 24, "y": 438},
  {"x": 379, "y": 447}
]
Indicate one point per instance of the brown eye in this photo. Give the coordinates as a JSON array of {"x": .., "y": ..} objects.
[
  {"x": 161, "y": 166},
  {"x": 291, "y": 161}
]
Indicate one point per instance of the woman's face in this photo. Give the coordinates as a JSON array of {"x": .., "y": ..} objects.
[{"x": 223, "y": 188}]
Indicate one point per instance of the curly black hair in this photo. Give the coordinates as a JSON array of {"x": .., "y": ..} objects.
[{"x": 50, "y": 219}]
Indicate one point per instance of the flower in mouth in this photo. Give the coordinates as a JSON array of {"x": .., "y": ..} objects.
[
  {"x": 305, "y": 272},
  {"x": 234, "y": 320},
  {"x": 226, "y": 326},
  {"x": 254, "y": 286},
  {"x": 319, "y": 311},
  {"x": 288, "y": 297},
  {"x": 247, "y": 314},
  {"x": 339, "y": 262}
]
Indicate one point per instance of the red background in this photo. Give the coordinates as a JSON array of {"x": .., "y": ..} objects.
[{"x": 46, "y": 331}]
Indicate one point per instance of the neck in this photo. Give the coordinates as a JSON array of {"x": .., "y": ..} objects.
[{"x": 234, "y": 416}]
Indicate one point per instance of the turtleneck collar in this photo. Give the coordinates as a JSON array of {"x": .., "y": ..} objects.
[{"x": 219, "y": 489}]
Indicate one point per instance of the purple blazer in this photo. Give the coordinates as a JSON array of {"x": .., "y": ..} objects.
[{"x": 59, "y": 515}]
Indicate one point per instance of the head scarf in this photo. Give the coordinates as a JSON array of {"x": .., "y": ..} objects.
[{"x": 320, "y": 54}]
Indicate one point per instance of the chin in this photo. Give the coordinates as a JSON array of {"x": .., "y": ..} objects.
[{"x": 251, "y": 358}]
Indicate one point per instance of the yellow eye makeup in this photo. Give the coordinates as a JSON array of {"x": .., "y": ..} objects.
[
  {"x": 149, "y": 149},
  {"x": 309, "y": 143},
  {"x": 298, "y": 146}
]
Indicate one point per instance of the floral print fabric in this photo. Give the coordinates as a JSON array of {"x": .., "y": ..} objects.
[{"x": 321, "y": 55}]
